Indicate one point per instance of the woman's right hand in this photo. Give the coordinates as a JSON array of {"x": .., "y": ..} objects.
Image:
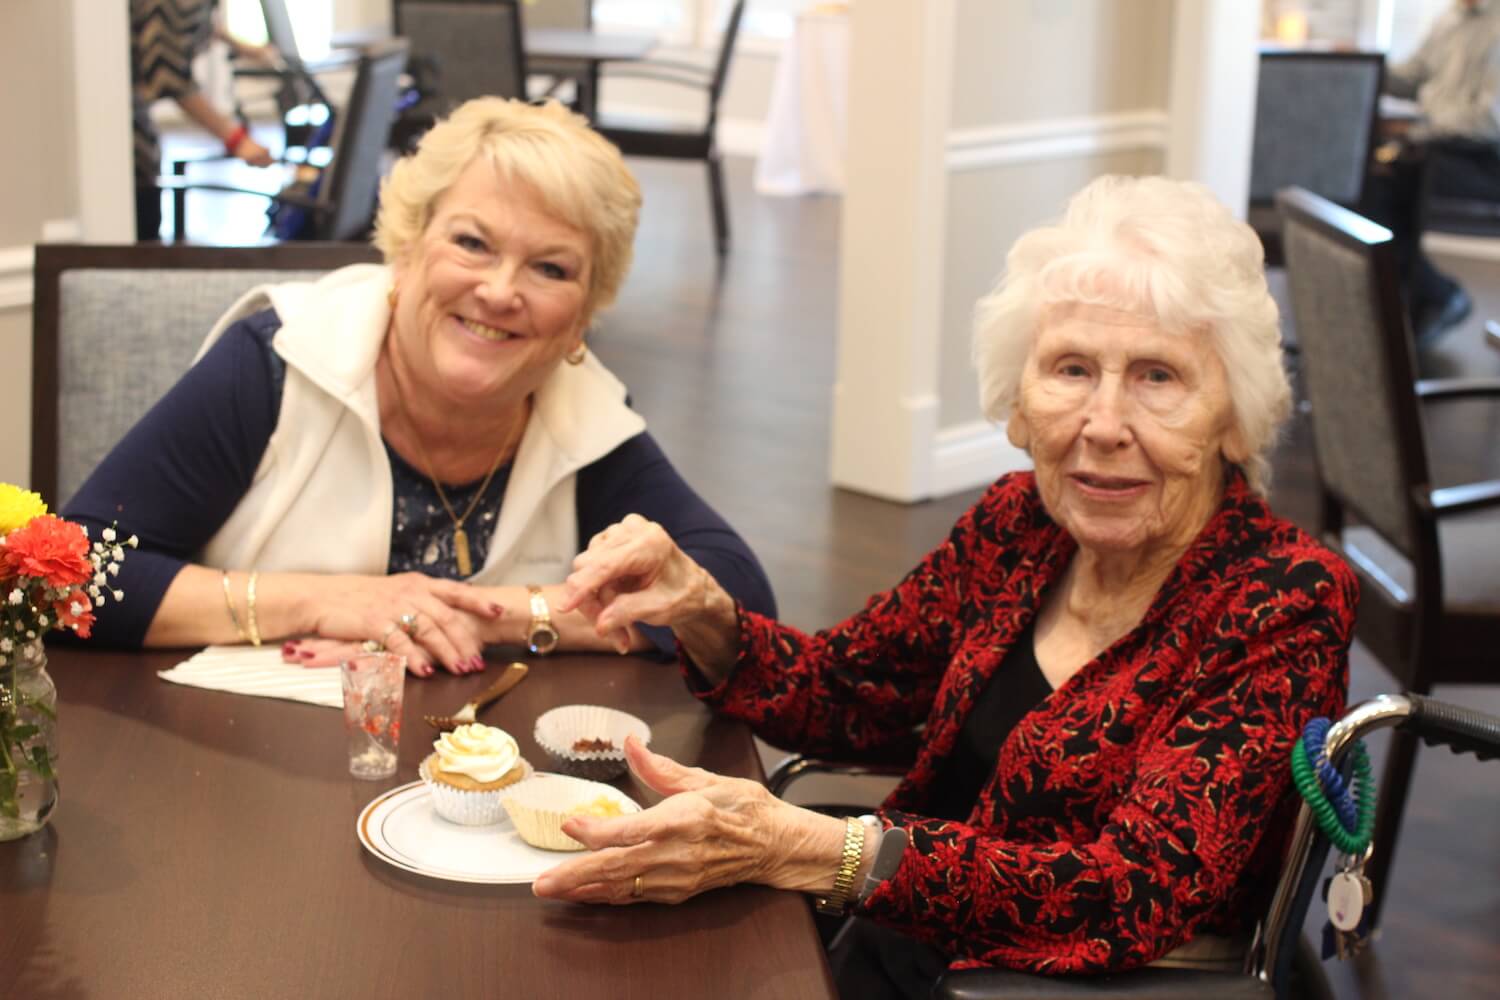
[
  {"x": 448, "y": 618},
  {"x": 633, "y": 571}
]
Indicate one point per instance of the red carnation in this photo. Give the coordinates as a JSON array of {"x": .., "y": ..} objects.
[
  {"x": 50, "y": 548},
  {"x": 83, "y": 621}
]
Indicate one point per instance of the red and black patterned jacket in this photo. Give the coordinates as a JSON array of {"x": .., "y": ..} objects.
[{"x": 1147, "y": 799}]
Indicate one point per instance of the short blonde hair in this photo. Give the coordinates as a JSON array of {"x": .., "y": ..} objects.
[
  {"x": 579, "y": 176},
  {"x": 1158, "y": 247}
]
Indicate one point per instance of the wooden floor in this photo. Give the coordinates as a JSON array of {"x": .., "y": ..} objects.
[{"x": 733, "y": 369}]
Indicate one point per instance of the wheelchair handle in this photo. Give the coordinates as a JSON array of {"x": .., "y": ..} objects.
[{"x": 1462, "y": 730}]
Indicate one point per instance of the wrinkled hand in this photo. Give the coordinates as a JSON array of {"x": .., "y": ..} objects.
[
  {"x": 450, "y": 617},
  {"x": 710, "y": 831},
  {"x": 631, "y": 572}
]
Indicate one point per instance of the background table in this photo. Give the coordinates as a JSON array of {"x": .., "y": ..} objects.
[
  {"x": 591, "y": 50},
  {"x": 205, "y": 846}
]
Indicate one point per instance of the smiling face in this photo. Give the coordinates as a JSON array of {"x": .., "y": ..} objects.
[
  {"x": 492, "y": 296},
  {"x": 1128, "y": 426}
]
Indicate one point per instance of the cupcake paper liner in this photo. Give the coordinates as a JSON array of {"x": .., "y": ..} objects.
[
  {"x": 464, "y": 807},
  {"x": 558, "y": 729},
  {"x": 538, "y": 806}
]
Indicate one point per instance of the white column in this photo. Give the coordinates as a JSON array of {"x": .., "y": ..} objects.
[
  {"x": 101, "y": 94},
  {"x": 1211, "y": 113},
  {"x": 885, "y": 397}
]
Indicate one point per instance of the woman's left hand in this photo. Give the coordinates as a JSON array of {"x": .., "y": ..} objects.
[{"x": 710, "y": 831}]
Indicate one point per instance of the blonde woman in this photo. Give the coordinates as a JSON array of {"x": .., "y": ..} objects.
[{"x": 412, "y": 453}]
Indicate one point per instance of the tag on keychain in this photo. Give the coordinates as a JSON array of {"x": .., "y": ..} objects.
[{"x": 1346, "y": 901}]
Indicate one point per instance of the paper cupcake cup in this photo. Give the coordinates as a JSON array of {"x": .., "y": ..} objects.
[
  {"x": 458, "y": 805},
  {"x": 559, "y": 730},
  {"x": 538, "y": 806}
]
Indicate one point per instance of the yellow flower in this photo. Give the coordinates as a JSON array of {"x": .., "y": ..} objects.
[{"x": 18, "y": 507}]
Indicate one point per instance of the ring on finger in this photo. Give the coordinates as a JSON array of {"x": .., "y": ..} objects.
[
  {"x": 408, "y": 623},
  {"x": 638, "y": 887}
]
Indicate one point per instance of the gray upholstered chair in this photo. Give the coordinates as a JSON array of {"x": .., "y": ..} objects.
[
  {"x": 1315, "y": 119},
  {"x": 113, "y": 327},
  {"x": 1427, "y": 557}
]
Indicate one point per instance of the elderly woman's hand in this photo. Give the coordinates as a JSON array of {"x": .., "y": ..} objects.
[
  {"x": 710, "y": 831},
  {"x": 425, "y": 619},
  {"x": 633, "y": 571}
]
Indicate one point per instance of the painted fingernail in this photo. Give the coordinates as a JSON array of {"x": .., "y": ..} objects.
[
  {"x": 306, "y": 654},
  {"x": 477, "y": 662},
  {"x": 496, "y": 610},
  {"x": 288, "y": 648}
]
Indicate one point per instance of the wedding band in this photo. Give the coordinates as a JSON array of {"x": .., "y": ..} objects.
[
  {"x": 639, "y": 888},
  {"x": 408, "y": 623}
]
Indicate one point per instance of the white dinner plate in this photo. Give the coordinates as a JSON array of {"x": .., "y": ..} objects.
[{"x": 401, "y": 828}]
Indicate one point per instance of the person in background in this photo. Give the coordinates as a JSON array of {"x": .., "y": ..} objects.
[
  {"x": 1454, "y": 77},
  {"x": 165, "y": 37},
  {"x": 412, "y": 453},
  {"x": 1099, "y": 675}
]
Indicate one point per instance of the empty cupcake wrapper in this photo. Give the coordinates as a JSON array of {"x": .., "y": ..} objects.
[
  {"x": 539, "y": 805},
  {"x": 560, "y": 730}
]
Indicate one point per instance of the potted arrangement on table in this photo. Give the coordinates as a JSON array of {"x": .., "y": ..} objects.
[{"x": 51, "y": 577}]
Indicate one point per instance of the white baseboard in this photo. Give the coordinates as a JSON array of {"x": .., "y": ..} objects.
[
  {"x": 972, "y": 455},
  {"x": 15, "y": 277},
  {"x": 1470, "y": 247},
  {"x": 1056, "y": 138}
]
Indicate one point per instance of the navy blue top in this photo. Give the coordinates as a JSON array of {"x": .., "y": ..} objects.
[{"x": 179, "y": 473}]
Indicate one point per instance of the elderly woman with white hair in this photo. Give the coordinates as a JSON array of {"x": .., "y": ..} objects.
[
  {"x": 1100, "y": 673},
  {"x": 412, "y": 453}
]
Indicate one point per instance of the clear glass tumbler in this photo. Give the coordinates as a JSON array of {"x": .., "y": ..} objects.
[{"x": 373, "y": 686}]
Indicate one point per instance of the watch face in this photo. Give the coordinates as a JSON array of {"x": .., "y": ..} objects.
[{"x": 543, "y": 639}]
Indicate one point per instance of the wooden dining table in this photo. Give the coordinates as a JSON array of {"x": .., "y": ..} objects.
[
  {"x": 204, "y": 845},
  {"x": 590, "y": 50}
]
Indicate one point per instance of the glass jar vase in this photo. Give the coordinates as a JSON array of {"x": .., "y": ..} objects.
[{"x": 28, "y": 741}]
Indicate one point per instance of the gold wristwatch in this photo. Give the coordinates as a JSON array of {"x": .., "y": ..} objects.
[
  {"x": 541, "y": 636},
  {"x": 837, "y": 899}
]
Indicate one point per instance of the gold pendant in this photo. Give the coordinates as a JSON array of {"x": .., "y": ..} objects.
[{"x": 461, "y": 547}]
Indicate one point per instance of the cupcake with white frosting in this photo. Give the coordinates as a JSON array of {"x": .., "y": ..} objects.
[{"x": 468, "y": 771}]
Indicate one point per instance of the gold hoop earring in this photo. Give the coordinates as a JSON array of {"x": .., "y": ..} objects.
[{"x": 576, "y": 357}]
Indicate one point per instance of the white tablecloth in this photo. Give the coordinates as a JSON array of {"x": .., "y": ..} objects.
[{"x": 806, "y": 125}]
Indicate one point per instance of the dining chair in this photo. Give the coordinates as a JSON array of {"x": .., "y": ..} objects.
[
  {"x": 672, "y": 140},
  {"x": 1315, "y": 122},
  {"x": 1426, "y": 555},
  {"x": 339, "y": 200},
  {"x": 114, "y": 327},
  {"x": 459, "y": 51}
]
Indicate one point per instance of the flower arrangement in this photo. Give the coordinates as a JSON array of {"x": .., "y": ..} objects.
[{"x": 51, "y": 577}]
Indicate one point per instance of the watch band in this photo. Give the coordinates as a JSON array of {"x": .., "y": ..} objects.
[
  {"x": 541, "y": 635},
  {"x": 889, "y": 848},
  {"x": 843, "y": 880}
]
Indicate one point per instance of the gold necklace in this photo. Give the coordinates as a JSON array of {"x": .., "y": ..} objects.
[{"x": 460, "y": 536}]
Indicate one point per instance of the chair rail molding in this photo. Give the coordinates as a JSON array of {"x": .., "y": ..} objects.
[
  {"x": 1056, "y": 139},
  {"x": 15, "y": 276}
]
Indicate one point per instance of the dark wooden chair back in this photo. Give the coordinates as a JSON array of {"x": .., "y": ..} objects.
[
  {"x": 1315, "y": 122},
  {"x": 1425, "y": 555},
  {"x": 113, "y": 327},
  {"x": 474, "y": 49}
]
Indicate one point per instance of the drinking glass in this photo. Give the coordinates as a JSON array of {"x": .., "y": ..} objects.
[{"x": 373, "y": 686}]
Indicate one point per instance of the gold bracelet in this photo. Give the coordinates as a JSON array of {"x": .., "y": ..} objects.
[
  {"x": 854, "y": 849},
  {"x": 229, "y": 603},
  {"x": 250, "y": 609}
]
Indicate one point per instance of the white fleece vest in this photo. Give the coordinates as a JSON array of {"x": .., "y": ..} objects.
[{"x": 321, "y": 500}]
